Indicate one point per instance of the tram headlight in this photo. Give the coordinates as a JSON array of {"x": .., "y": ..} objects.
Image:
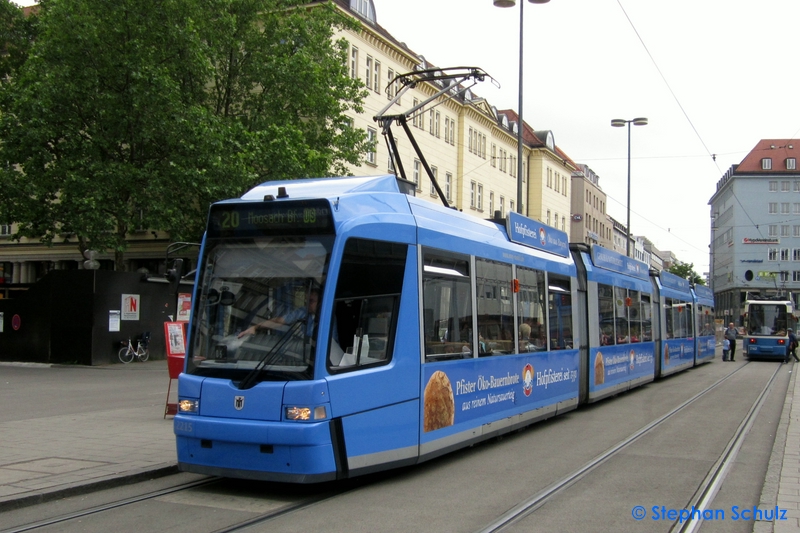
[
  {"x": 189, "y": 406},
  {"x": 306, "y": 413}
]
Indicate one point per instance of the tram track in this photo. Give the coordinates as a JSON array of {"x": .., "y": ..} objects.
[
  {"x": 702, "y": 497},
  {"x": 110, "y": 506}
]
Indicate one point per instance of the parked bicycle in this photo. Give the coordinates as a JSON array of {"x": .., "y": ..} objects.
[{"x": 141, "y": 352}]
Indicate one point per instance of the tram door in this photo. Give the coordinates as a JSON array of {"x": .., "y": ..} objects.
[{"x": 374, "y": 381}]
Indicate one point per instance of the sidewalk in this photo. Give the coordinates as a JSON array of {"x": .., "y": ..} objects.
[
  {"x": 782, "y": 483},
  {"x": 69, "y": 430}
]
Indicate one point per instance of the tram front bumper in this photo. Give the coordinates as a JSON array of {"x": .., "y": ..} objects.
[{"x": 251, "y": 449}]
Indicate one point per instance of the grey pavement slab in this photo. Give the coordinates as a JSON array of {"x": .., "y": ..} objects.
[{"x": 65, "y": 430}]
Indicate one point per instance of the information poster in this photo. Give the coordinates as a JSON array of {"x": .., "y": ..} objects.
[
  {"x": 176, "y": 344},
  {"x": 184, "y": 307},
  {"x": 130, "y": 306},
  {"x": 113, "y": 320}
]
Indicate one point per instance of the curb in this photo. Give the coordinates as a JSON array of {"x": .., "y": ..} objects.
[
  {"x": 44, "y": 496},
  {"x": 769, "y": 492}
]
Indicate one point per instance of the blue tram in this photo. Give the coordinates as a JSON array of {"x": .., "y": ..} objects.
[
  {"x": 766, "y": 324},
  {"x": 342, "y": 326}
]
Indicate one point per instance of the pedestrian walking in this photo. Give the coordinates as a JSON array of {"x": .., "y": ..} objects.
[
  {"x": 726, "y": 349},
  {"x": 730, "y": 334},
  {"x": 792, "y": 349}
]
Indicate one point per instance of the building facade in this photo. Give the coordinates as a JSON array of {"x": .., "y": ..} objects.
[
  {"x": 755, "y": 228},
  {"x": 589, "y": 220}
]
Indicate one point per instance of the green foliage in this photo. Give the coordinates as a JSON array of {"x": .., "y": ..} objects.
[
  {"x": 136, "y": 114},
  {"x": 686, "y": 271}
]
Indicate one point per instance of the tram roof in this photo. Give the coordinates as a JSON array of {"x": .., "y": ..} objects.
[{"x": 324, "y": 187}]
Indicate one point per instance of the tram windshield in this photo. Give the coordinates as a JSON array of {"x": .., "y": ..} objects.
[
  {"x": 770, "y": 319},
  {"x": 258, "y": 308}
]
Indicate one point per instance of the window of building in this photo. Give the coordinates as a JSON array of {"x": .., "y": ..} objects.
[
  {"x": 791, "y": 163},
  {"x": 435, "y": 172},
  {"x": 547, "y": 221},
  {"x": 354, "y": 62},
  {"x": 783, "y": 275},
  {"x": 785, "y": 231},
  {"x": 372, "y": 138},
  {"x": 448, "y": 185},
  {"x": 784, "y": 254},
  {"x": 446, "y": 129},
  {"x": 494, "y": 155},
  {"x": 368, "y": 73},
  {"x": 785, "y": 208},
  {"x": 796, "y": 275},
  {"x": 785, "y": 186},
  {"x": 766, "y": 163},
  {"x": 796, "y": 230},
  {"x": 416, "y": 118},
  {"x": 502, "y": 207},
  {"x": 5, "y": 229},
  {"x": 480, "y": 197},
  {"x": 491, "y": 203},
  {"x": 796, "y": 254},
  {"x": 453, "y": 131},
  {"x": 773, "y": 186},
  {"x": 473, "y": 191},
  {"x": 390, "y": 88},
  {"x": 773, "y": 208},
  {"x": 513, "y": 167},
  {"x": 773, "y": 230},
  {"x": 376, "y": 77},
  {"x": 415, "y": 175},
  {"x": 772, "y": 254}
]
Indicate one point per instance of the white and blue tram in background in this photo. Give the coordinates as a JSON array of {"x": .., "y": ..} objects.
[
  {"x": 342, "y": 326},
  {"x": 766, "y": 325}
]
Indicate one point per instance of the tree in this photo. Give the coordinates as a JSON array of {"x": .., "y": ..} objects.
[
  {"x": 17, "y": 32},
  {"x": 686, "y": 271},
  {"x": 139, "y": 113}
]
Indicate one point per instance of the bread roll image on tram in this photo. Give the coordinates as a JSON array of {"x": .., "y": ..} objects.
[
  {"x": 439, "y": 403},
  {"x": 599, "y": 369}
]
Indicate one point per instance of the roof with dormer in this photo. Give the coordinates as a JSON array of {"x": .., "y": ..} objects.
[{"x": 778, "y": 151}]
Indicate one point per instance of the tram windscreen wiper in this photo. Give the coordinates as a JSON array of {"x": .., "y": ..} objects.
[{"x": 269, "y": 357}]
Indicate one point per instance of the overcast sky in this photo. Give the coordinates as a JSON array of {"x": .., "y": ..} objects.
[{"x": 712, "y": 77}]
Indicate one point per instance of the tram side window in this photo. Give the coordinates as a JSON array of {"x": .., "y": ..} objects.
[
  {"x": 705, "y": 320},
  {"x": 560, "y": 317},
  {"x": 647, "y": 318},
  {"x": 495, "y": 308},
  {"x": 447, "y": 306},
  {"x": 532, "y": 310},
  {"x": 623, "y": 331},
  {"x": 605, "y": 311},
  {"x": 633, "y": 305},
  {"x": 677, "y": 318},
  {"x": 366, "y": 303}
]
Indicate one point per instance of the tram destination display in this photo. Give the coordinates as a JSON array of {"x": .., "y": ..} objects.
[{"x": 311, "y": 217}]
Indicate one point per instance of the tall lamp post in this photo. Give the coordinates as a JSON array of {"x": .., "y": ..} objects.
[
  {"x": 511, "y": 3},
  {"x": 620, "y": 123}
]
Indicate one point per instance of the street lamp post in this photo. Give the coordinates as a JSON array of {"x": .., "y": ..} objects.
[
  {"x": 619, "y": 123},
  {"x": 511, "y": 3}
]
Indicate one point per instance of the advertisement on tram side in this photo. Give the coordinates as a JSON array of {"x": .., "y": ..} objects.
[
  {"x": 458, "y": 393},
  {"x": 615, "y": 364},
  {"x": 676, "y": 352}
]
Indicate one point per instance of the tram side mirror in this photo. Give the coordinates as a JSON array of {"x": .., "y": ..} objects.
[
  {"x": 226, "y": 298},
  {"x": 174, "y": 275},
  {"x": 213, "y": 297}
]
